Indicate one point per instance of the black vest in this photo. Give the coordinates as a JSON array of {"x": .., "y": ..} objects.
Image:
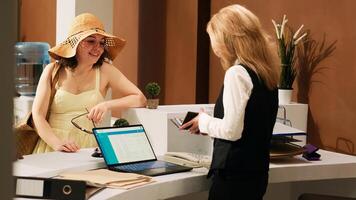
[{"x": 250, "y": 153}]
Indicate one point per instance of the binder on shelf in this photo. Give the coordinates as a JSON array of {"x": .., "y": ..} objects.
[
  {"x": 282, "y": 142},
  {"x": 47, "y": 188}
]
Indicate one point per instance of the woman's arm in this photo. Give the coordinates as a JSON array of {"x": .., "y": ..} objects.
[
  {"x": 131, "y": 95},
  {"x": 39, "y": 111},
  {"x": 237, "y": 90}
]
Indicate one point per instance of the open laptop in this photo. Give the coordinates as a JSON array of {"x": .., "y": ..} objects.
[{"x": 127, "y": 149}]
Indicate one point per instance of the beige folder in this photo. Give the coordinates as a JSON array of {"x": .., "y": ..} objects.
[{"x": 107, "y": 178}]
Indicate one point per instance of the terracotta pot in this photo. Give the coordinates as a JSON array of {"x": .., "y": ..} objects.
[{"x": 152, "y": 103}]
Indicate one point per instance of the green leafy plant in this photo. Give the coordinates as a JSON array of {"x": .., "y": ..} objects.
[
  {"x": 310, "y": 54},
  {"x": 287, "y": 42},
  {"x": 121, "y": 122},
  {"x": 152, "y": 90}
]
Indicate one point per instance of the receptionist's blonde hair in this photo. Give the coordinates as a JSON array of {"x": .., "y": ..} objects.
[{"x": 237, "y": 36}]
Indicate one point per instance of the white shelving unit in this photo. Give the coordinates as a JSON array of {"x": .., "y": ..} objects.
[{"x": 296, "y": 116}]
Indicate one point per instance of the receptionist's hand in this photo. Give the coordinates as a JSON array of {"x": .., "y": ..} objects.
[{"x": 194, "y": 123}]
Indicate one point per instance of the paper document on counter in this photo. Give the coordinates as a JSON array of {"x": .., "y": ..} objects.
[
  {"x": 188, "y": 159},
  {"x": 281, "y": 129},
  {"x": 108, "y": 178}
]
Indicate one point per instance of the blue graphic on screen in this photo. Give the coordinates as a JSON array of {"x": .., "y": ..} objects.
[{"x": 124, "y": 145}]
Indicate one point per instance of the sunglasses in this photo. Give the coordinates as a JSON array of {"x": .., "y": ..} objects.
[
  {"x": 92, "y": 42},
  {"x": 78, "y": 126}
]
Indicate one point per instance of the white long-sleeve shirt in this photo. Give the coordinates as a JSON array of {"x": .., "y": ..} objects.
[{"x": 237, "y": 90}]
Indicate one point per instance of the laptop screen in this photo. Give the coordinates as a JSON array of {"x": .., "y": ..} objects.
[{"x": 124, "y": 144}]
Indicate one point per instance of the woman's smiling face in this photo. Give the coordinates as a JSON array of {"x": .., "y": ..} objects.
[{"x": 90, "y": 49}]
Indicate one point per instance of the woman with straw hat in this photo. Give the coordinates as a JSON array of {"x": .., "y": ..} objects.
[{"x": 84, "y": 77}]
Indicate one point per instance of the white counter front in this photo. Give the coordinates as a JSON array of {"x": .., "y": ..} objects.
[{"x": 333, "y": 166}]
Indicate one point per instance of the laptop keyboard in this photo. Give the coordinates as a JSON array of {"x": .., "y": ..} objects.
[{"x": 144, "y": 166}]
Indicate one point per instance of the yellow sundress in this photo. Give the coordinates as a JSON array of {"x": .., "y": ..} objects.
[{"x": 64, "y": 108}]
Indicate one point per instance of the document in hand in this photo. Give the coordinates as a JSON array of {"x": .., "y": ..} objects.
[{"x": 108, "y": 178}]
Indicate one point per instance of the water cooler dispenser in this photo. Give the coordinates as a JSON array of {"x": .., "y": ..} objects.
[{"x": 31, "y": 58}]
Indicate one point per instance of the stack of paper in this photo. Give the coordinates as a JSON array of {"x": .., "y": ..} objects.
[
  {"x": 281, "y": 129},
  {"x": 188, "y": 159},
  {"x": 107, "y": 178},
  {"x": 282, "y": 142}
]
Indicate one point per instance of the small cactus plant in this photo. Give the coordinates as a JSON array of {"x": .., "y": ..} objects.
[
  {"x": 152, "y": 90},
  {"x": 121, "y": 122}
]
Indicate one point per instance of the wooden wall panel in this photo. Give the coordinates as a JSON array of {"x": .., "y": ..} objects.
[
  {"x": 152, "y": 44},
  {"x": 38, "y": 21},
  {"x": 125, "y": 25},
  {"x": 332, "y": 95},
  {"x": 181, "y": 51},
  {"x": 161, "y": 45},
  {"x": 203, "y": 53}
]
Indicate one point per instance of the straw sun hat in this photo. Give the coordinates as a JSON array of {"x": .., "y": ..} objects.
[{"x": 84, "y": 25}]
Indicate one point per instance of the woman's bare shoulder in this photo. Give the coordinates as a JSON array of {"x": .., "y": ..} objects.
[
  {"x": 109, "y": 69},
  {"x": 48, "y": 69}
]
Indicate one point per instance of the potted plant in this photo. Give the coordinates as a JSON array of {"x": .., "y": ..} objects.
[
  {"x": 310, "y": 53},
  {"x": 286, "y": 42},
  {"x": 121, "y": 122},
  {"x": 152, "y": 90}
]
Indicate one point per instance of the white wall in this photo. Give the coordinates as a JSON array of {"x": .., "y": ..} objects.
[
  {"x": 68, "y": 9},
  {"x": 103, "y": 9},
  {"x": 65, "y": 15}
]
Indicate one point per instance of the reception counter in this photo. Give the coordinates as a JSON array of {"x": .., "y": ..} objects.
[
  {"x": 334, "y": 174},
  {"x": 294, "y": 176}
]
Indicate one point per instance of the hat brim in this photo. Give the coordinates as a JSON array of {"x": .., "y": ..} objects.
[{"x": 68, "y": 48}]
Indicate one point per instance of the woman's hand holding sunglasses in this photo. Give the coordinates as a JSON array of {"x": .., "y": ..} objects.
[{"x": 97, "y": 113}]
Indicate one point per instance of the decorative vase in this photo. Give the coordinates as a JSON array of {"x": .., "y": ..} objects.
[
  {"x": 285, "y": 96},
  {"x": 152, "y": 103}
]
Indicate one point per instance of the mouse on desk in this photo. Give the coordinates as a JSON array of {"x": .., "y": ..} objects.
[{"x": 97, "y": 153}]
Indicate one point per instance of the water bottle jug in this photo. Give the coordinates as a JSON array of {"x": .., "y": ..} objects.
[{"x": 31, "y": 58}]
